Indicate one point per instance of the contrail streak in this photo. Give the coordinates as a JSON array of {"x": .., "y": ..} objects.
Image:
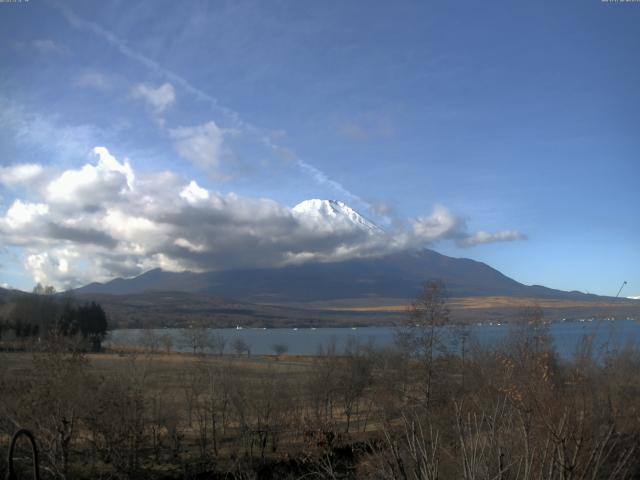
[{"x": 262, "y": 134}]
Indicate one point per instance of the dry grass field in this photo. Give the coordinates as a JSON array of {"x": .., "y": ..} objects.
[
  {"x": 364, "y": 414},
  {"x": 358, "y": 413},
  {"x": 470, "y": 309}
]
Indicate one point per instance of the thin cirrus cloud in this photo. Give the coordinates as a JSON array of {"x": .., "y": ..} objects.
[
  {"x": 482, "y": 237},
  {"x": 94, "y": 80},
  {"x": 368, "y": 127},
  {"x": 203, "y": 146},
  {"x": 158, "y": 98},
  {"x": 103, "y": 220},
  {"x": 264, "y": 136},
  {"x": 61, "y": 143},
  {"x": 353, "y": 131},
  {"x": 44, "y": 46}
]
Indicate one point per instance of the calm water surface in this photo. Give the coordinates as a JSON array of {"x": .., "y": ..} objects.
[{"x": 306, "y": 341}]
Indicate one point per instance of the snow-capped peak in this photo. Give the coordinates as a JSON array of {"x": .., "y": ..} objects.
[{"x": 332, "y": 213}]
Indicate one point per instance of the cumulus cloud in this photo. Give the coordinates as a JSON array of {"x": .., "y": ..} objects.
[
  {"x": 193, "y": 193},
  {"x": 103, "y": 220},
  {"x": 440, "y": 224},
  {"x": 19, "y": 175},
  {"x": 47, "y": 266},
  {"x": 92, "y": 185},
  {"x": 203, "y": 146},
  {"x": 158, "y": 98},
  {"x": 160, "y": 221},
  {"x": 21, "y": 214}
]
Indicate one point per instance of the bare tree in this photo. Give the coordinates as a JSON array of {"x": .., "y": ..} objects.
[
  {"x": 57, "y": 400},
  {"x": 279, "y": 349},
  {"x": 217, "y": 343},
  {"x": 39, "y": 289},
  {"x": 408, "y": 453},
  {"x": 240, "y": 346},
  {"x": 150, "y": 341},
  {"x": 354, "y": 376},
  {"x": 167, "y": 342},
  {"x": 322, "y": 383},
  {"x": 422, "y": 335},
  {"x": 119, "y": 418},
  {"x": 196, "y": 338}
]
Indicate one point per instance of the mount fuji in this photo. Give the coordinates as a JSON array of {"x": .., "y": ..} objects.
[
  {"x": 372, "y": 280},
  {"x": 332, "y": 213}
]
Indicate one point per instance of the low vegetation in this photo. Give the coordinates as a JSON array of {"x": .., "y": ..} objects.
[{"x": 418, "y": 411}]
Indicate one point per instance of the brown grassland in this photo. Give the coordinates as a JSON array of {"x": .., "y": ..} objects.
[{"x": 417, "y": 411}]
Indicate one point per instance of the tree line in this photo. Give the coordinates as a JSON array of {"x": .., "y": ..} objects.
[{"x": 33, "y": 317}]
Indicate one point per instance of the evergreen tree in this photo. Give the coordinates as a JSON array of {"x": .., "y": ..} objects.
[{"x": 93, "y": 324}]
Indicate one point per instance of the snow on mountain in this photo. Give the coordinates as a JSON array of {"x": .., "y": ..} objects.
[
  {"x": 332, "y": 214},
  {"x": 637, "y": 297}
]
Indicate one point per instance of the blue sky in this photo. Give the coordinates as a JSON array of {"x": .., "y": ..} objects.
[{"x": 517, "y": 119}]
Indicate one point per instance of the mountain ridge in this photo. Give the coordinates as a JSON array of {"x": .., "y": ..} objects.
[{"x": 397, "y": 275}]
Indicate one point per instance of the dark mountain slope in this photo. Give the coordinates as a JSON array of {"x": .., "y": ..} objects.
[{"x": 394, "y": 276}]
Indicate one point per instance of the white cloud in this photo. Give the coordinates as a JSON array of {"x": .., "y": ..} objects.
[
  {"x": 203, "y": 145},
  {"x": 184, "y": 243},
  {"x": 440, "y": 224},
  {"x": 486, "y": 237},
  {"x": 18, "y": 175},
  {"x": 109, "y": 163},
  {"x": 102, "y": 220},
  {"x": 21, "y": 214},
  {"x": 52, "y": 267},
  {"x": 265, "y": 136},
  {"x": 92, "y": 184},
  {"x": 159, "y": 98},
  {"x": 193, "y": 193}
]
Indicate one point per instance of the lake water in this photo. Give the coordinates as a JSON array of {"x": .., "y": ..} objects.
[{"x": 306, "y": 341}]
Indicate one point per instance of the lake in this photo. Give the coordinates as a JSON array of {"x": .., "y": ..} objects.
[{"x": 306, "y": 341}]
